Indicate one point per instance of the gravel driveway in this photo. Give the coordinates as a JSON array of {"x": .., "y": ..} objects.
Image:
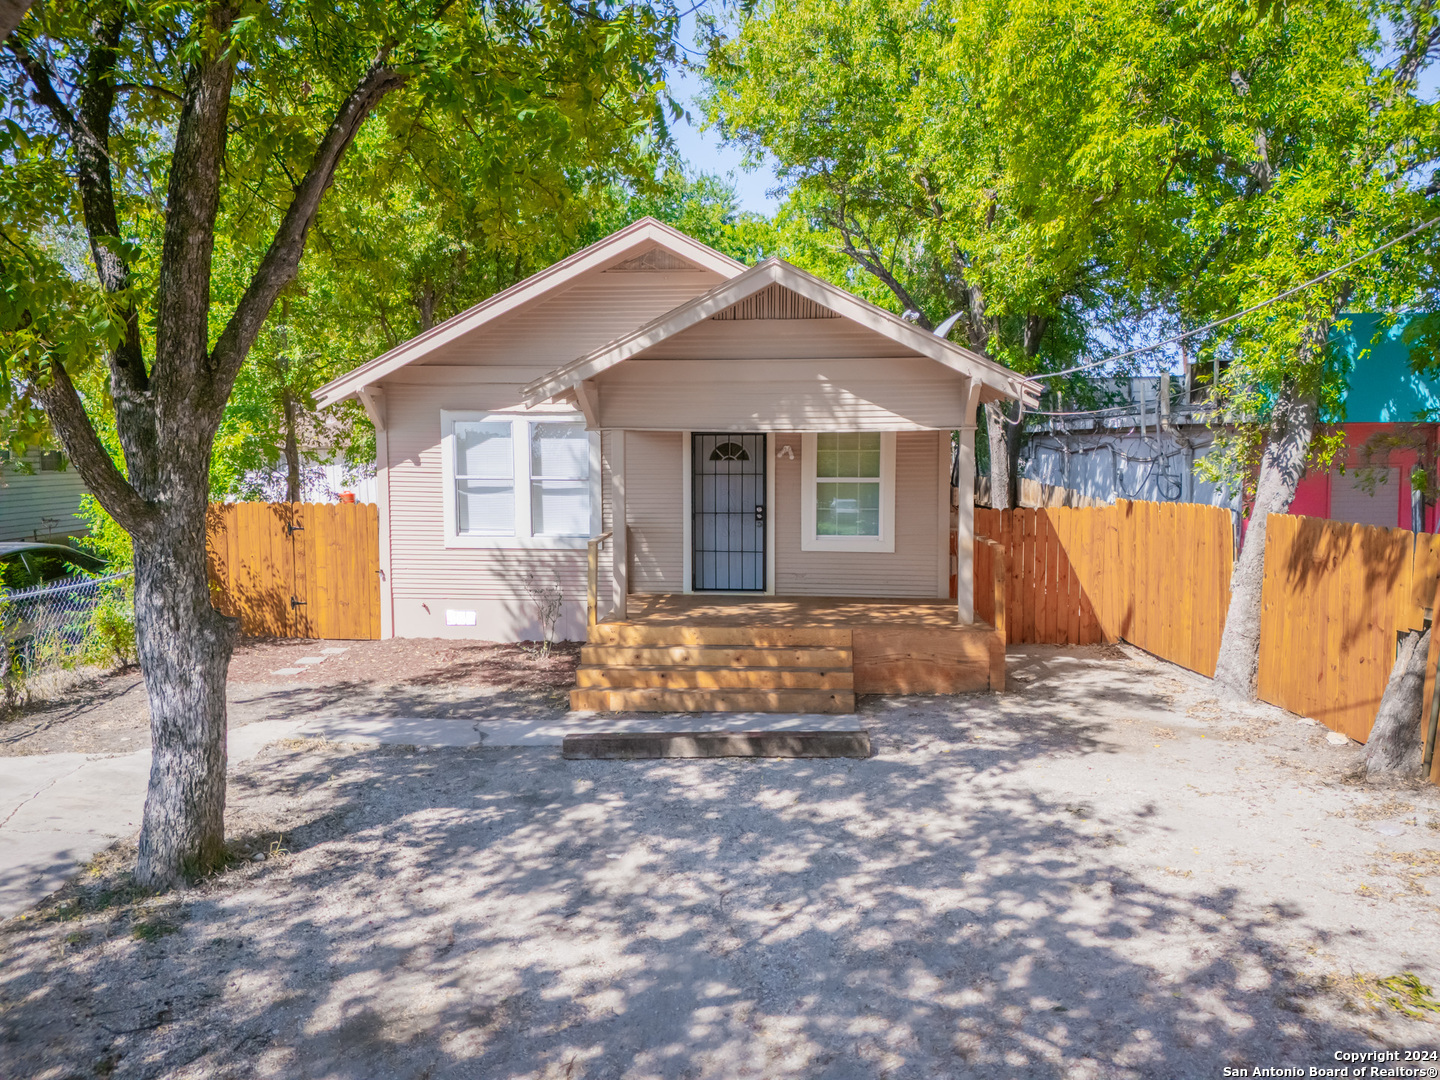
[{"x": 1102, "y": 874}]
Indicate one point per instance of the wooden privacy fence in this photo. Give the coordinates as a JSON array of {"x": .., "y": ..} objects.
[
  {"x": 1155, "y": 574},
  {"x": 1334, "y": 600},
  {"x": 1336, "y": 597},
  {"x": 306, "y": 570}
]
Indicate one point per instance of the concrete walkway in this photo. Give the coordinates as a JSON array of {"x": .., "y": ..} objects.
[{"x": 57, "y": 811}]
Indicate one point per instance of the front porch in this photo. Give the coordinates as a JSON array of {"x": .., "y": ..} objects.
[{"x": 705, "y": 652}]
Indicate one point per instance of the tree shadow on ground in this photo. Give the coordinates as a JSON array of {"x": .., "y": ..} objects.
[
  {"x": 509, "y": 913},
  {"x": 82, "y": 696}
]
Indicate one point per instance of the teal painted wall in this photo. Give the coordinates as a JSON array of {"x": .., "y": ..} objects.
[{"x": 1382, "y": 388}]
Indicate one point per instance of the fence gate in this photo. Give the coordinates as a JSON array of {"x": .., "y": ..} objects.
[{"x": 304, "y": 570}]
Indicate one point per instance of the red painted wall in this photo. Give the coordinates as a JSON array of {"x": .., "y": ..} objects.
[{"x": 1312, "y": 494}]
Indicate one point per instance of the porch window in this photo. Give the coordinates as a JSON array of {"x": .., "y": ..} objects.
[
  {"x": 519, "y": 481},
  {"x": 848, "y": 491}
]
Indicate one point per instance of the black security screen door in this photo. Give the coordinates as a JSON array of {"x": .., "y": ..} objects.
[{"x": 728, "y": 527}]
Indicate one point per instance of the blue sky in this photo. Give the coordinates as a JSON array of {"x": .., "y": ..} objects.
[{"x": 704, "y": 150}]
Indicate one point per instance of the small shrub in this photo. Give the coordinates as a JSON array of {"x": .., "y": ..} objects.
[
  {"x": 110, "y": 634},
  {"x": 14, "y": 685},
  {"x": 549, "y": 602}
]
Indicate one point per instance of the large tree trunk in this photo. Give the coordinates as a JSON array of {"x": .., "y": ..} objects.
[
  {"x": 1396, "y": 743},
  {"x": 184, "y": 646},
  {"x": 1004, "y": 439},
  {"x": 1281, "y": 466}
]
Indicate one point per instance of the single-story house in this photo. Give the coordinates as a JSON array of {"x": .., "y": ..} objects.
[{"x": 755, "y": 446}]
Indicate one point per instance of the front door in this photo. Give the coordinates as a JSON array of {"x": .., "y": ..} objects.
[{"x": 728, "y": 512}]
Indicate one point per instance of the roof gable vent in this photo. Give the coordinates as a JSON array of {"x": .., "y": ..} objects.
[
  {"x": 775, "y": 302},
  {"x": 656, "y": 259}
]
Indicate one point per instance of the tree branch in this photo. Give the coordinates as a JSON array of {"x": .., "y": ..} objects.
[
  {"x": 89, "y": 136},
  {"x": 192, "y": 203},
  {"x": 282, "y": 260},
  {"x": 870, "y": 261},
  {"x": 68, "y": 417},
  {"x": 148, "y": 88},
  {"x": 1422, "y": 39}
]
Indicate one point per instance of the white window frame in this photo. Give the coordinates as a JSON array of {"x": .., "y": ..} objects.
[
  {"x": 523, "y": 536},
  {"x": 809, "y": 541}
]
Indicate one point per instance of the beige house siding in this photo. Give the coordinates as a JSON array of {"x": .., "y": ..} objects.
[
  {"x": 879, "y": 394},
  {"x": 39, "y": 504},
  {"x": 656, "y": 516},
  {"x": 550, "y": 333},
  {"x": 484, "y": 371},
  {"x": 427, "y": 578},
  {"x": 910, "y": 571},
  {"x": 654, "y": 506},
  {"x": 779, "y": 339},
  {"x": 700, "y": 383}
]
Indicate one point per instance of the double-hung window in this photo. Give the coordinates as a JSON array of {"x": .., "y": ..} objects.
[
  {"x": 848, "y": 491},
  {"x": 519, "y": 480}
]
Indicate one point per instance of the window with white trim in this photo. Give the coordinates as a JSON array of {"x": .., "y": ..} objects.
[
  {"x": 519, "y": 481},
  {"x": 848, "y": 491}
]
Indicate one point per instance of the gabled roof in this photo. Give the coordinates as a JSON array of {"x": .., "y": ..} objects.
[
  {"x": 996, "y": 381},
  {"x": 597, "y": 256}
]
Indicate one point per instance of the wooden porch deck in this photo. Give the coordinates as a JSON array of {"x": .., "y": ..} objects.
[
  {"x": 708, "y": 652},
  {"x": 708, "y": 609}
]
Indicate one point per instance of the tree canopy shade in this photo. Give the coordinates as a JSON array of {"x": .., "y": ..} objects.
[{"x": 193, "y": 144}]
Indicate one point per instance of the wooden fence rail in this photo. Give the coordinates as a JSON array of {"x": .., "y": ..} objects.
[{"x": 305, "y": 570}]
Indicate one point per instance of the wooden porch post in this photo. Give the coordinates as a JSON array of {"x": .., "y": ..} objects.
[
  {"x": 965, "y": 526},
  {"x": 619, "y": 548}
]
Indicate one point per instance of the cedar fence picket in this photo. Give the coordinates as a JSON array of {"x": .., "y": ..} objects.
[
  {"x": 1155, "y": 574},
  {"x": 301, "y": 570}
]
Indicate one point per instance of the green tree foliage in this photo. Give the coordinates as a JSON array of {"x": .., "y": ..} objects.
[{"x": 407, "y": 254}]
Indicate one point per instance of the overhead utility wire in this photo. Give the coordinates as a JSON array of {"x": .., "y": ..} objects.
[{"x": 1248, "y": 311}]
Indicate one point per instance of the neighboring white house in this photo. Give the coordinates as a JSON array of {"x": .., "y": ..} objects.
[
  {"x": 39, "y": 494},
  {"x": 739, "y": 430}
]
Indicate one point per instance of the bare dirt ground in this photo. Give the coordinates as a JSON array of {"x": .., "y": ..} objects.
[
  {"x": 1103, "y": 874},
  {"x": 107, "y": 713}
]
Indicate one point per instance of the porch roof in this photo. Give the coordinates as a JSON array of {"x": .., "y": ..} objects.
[{"x": 994, "y": 381}]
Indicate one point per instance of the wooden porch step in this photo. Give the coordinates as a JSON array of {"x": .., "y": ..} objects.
[
  {"x": 689, "y": 676},
  {"x": 650, "y": 634},
  {"x": 714, "y": 656},
  {"x": 654, "y": 699}
]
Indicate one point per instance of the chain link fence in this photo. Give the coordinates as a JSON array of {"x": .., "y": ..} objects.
[{"x": 64, "y": 624}]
